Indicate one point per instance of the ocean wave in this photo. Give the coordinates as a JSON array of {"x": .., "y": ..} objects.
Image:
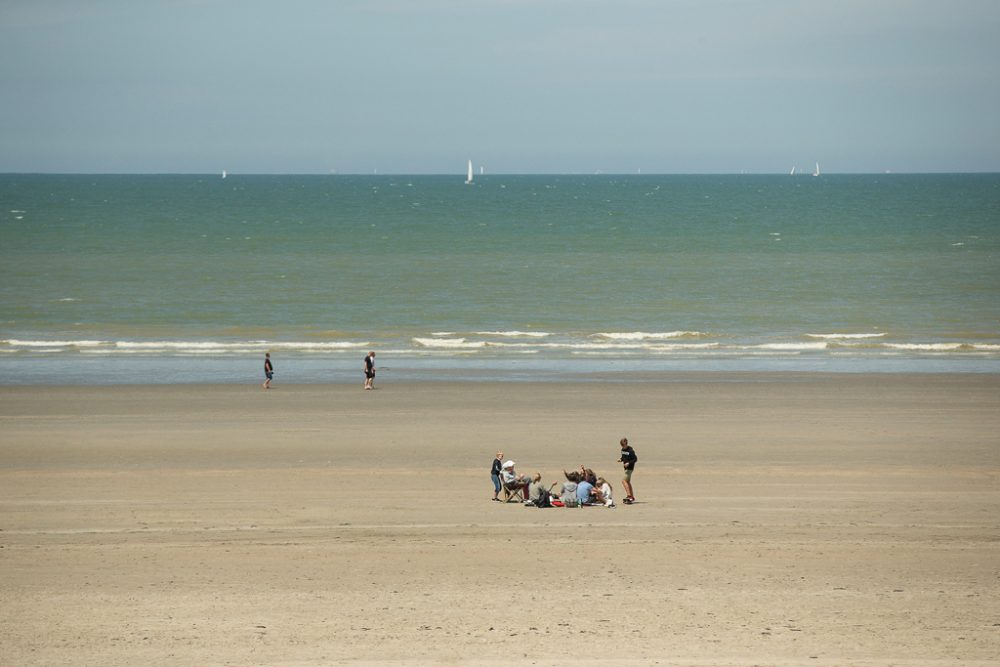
[
  {"x": 845, "y": 336},
  {"x": 785, "y": 347},
  {"x": 929, "y": 347},
  {"x": 13, "y": 342},
  {"x": 642, "y": 335},
  {"x": 450, "y": 343},
  {"x": 165, "y": 346},
  {"x": 257, "y": 345},
  {"x": 338, "y": 345},
  {"x": 609, "y": 346},
  {"x": 499, "y": 343},
  {"x": 514, "y": 334}
]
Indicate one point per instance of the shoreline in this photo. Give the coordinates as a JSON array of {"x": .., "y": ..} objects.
[
  {"x": 783, "y": 518},
  {"x": 100, "y": 370}
]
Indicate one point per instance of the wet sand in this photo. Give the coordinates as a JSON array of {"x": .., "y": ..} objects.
[{"x": 782, "y": 519}]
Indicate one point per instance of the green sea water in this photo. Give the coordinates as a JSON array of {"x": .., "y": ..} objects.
[{"x": 562, "y": 272}]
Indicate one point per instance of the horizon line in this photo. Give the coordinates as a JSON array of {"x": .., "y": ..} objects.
[{"x": 218, "y": 174}]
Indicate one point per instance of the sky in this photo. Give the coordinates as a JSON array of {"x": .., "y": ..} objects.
[{"x": 517, "y": 86}]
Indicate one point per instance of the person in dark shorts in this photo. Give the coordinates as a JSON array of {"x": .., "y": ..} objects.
[
  {"x": 628, "y": 460},
  {"x": 268, "y": 370},
  {"x": 370, "y": 371}
]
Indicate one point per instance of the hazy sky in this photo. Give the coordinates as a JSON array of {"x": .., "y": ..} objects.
[{"x": 524, "y": 86}]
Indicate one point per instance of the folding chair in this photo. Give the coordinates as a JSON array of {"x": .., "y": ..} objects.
[{"x": 513, "y": 493}]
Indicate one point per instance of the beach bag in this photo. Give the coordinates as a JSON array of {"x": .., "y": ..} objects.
[{"x": 544, "y": 500}]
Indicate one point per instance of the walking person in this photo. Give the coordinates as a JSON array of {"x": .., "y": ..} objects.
[
  {"x": 268, "y": 370},
  {"x": 628, "y": 460},
  {"x": 370, "y": 371}
]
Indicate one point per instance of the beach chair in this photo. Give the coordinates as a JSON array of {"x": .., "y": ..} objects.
[{"x": 513, "y": 493}]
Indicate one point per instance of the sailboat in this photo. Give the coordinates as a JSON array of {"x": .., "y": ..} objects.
[
  {"x": 816, "y": 173},
  {"x": 223, "y": 173},
  {"x": 792, "y": 172},
  {"x": 468, "y": 177}
]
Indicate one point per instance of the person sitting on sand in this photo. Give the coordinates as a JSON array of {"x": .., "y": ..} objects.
[
  {"x": 588, "y": 474},
  {"x": 568, "y": 494},
  {"x": 538, "y": 493},
  {"x": 584, "y": 492},
  {"x": 511, "y": 479},
  {"x": 602, "y": 492}
]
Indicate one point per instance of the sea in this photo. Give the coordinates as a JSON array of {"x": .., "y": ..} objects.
[{"x": 128, "y": 279}]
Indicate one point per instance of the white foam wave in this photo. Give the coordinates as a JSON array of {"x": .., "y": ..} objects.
[
  {"x": 450, "y": 343},
  {"x": 642, "y": 335},
  {"x": 338, "y": 345},
  {"x": 248, "y": 346},
  {"x": 786, "y": 347},
  {"x": 514, "y": 334},
  {"x": 845, "y": 336},
  {"x": 53, "y": 343},
  {"x": 680, "y": 347},
  {"x": 173, "y": 345},
  {"x": 926, "y": 347},
  {"x": 651, "y": 347}
]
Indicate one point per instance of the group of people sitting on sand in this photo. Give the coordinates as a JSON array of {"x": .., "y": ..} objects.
[{"x": 580, "y": 489}]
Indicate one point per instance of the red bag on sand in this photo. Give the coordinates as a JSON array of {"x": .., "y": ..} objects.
[{"x": 558, "y": 503}]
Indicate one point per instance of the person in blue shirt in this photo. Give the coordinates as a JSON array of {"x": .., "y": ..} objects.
[{"x": 584, "y": 491}]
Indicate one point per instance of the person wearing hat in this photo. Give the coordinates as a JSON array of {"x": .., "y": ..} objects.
[{"x": 512, "y": 479}]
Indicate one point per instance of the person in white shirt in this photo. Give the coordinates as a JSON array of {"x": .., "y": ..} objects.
[{"x": 602, "y": 491}]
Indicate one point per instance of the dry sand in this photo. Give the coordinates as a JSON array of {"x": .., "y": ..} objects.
[{"x": 791, "y": 519}]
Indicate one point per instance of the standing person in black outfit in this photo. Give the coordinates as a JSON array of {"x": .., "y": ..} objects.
[
  {"x": 370, "y": 371},
  {"x": 628, "y": 459},
  {"x": 495, "y": 475},
  {"x": 268, "y": 370}
]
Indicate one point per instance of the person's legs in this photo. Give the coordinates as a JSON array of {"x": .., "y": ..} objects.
[
  {"x": 496, "y": 486},
  {"x": 627, "y": 483}
]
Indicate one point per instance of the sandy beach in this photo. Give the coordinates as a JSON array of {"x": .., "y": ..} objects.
[{"x": 781, "y": 519}]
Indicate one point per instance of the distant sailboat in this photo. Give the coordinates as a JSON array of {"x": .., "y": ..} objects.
[
  {"x": 223, "y": 173},
  {"x": 792, "y": 172},
  {"x": 468, "y": 177},
  {"x": 816, "y": 173},
  {"x": 480, "y": 170}
]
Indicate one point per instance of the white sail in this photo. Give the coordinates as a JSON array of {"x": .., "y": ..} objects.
[
  {"x": 792, "y": 172},
  {"x": 816, "y": 173},
  {"x": 223, "y": 173},
  {"x": 468, "y": 177}
]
